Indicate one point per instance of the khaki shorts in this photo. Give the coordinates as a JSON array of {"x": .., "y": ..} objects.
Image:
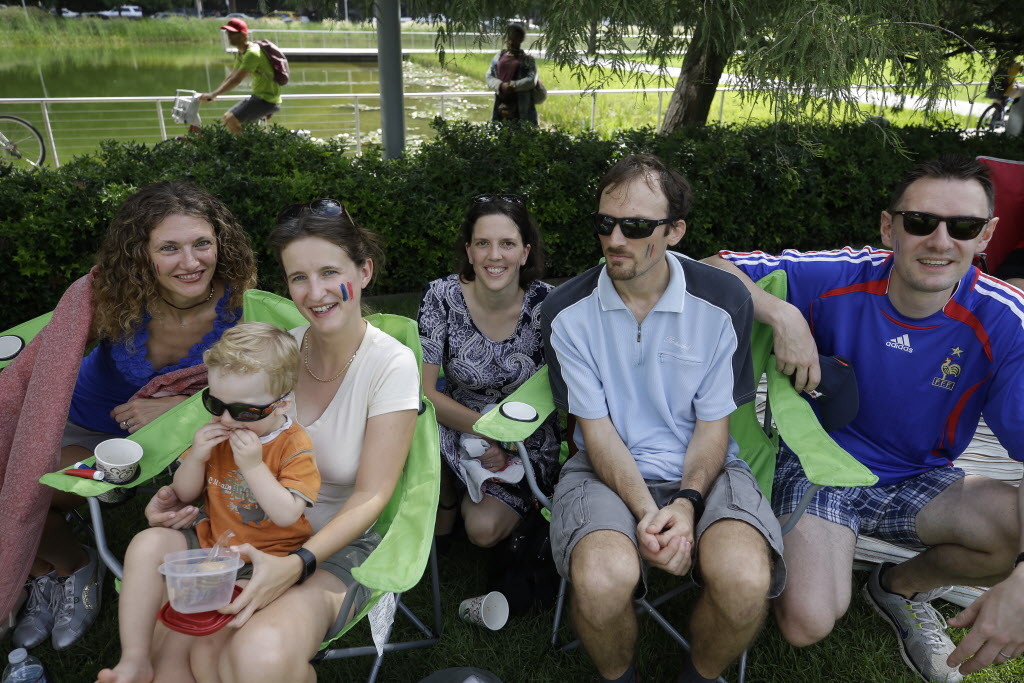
[{"x": 583, "y": 504}]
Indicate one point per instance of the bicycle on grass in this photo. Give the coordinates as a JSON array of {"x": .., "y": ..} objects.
[
  {"x": 994, "y": 117},
  {"x": 21, "y": 145}
]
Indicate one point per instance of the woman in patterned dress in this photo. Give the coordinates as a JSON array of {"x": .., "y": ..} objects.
[{"x": 482, "y": 325}]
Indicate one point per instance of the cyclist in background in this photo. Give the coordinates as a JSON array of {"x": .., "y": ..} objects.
[
  {"x": 266, "y": 97},
  {"x": 1004, "y": 88}
]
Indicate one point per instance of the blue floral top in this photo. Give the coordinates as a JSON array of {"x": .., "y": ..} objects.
[{"x": 114, "y": 371}]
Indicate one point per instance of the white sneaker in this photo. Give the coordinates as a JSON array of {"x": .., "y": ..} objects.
[{"x": 920, "y": 629}]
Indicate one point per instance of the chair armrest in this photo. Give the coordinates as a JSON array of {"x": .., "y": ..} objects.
[
  {"x": 824, "y": 461},
  {"x": 535, "y": 392},
  {"x": 162, "y": 440},
  {"x": 398, "y": 562},
  {"x": 26, "y": 331}
]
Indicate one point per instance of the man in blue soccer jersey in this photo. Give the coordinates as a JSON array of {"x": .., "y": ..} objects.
[
  {"x": 935, "y": 344},
  {"x": 651, "y": 353}
]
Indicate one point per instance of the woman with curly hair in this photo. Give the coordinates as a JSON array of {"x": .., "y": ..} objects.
[{"x": 168, "y": 281}]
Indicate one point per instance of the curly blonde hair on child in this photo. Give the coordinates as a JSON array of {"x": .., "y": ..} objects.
[{"x": 251, "y": 347}]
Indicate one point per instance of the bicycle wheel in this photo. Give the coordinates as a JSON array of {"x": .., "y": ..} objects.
[
  {"x": 21, "y": 145},
  {"x": 992, "y": 118}
]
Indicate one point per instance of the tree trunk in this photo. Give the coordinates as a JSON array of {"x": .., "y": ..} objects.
[
  {"x": 702, "y": 69},
  {"x": 592, "y": 39}
]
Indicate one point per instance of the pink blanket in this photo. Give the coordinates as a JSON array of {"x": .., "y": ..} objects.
[
  {"x": 35, "y": 394},
  {"x": 183, "y": 382}
]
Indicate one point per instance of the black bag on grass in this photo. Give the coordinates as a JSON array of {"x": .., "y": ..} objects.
[{"x": 522, "y": 567}]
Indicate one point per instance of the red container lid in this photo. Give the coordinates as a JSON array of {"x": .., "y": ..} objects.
[{"x": 198, "y": 624}]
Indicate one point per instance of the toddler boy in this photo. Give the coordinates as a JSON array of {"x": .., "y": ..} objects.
[{"x": 252, "y": 464}]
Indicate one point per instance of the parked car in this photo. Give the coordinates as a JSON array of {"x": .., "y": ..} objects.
[
  {"x": 64, "y": 13},
  {"x": 284, "y": 16},
  {"x": 238, "y": 15},
  {"x": 124, "y": 11}
]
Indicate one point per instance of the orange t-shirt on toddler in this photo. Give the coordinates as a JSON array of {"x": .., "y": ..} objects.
[{"x": 230, "y": 504}]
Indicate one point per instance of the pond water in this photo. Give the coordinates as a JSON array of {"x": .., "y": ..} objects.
[{"x": 142, "y": 71}]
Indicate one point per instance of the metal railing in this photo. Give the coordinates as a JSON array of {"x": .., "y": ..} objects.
[
  {"x": 79, "y": 122},
  {"x": 76, "y": 120}
]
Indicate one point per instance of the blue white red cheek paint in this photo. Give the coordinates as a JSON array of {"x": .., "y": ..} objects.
[
  {"x": 344, "y": 293},
  {"x": 647, "y": 254},
  {"x": 350, "y": 294}
]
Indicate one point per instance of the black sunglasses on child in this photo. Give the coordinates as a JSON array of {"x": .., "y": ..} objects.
[
  {"x": 632, "y": 228},
  {"x": 243, "y": 412},
  {"x": 499, "y": 197},
  {"x": 920, "y": 224},
  {"x": 324, "y": 208}
]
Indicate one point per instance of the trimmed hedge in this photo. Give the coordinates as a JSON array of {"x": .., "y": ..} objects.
[{"x": 766, "y": 187}]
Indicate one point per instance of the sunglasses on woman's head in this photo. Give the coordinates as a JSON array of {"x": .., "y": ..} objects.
[
  {"x": 498, "y": 197},
  {"x": 632, "y": 228},
  {"x": 324, "y": 208},
  {"x": 921, "y": 224},
  {"x": 243, "y": 412}
]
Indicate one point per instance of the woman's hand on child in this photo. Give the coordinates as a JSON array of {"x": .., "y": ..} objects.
[
  {"x": 271, "y": 576},
  {"x": 164, "y": 509},
  {"x": 247, "y": 449}
]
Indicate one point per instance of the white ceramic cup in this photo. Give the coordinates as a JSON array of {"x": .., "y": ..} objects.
[
  {"x": 489, "y": 611},
  {"x": 118, "y": 459}
]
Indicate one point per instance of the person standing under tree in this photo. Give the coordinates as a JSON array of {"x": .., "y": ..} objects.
[{"x": 513, "y": 78}]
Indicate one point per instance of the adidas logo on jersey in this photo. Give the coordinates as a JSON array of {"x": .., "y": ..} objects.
[{"x": 902, "y": 343}]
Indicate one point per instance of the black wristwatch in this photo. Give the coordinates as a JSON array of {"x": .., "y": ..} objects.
[
  {"x": 692, "y": 496},
  {"x": 308, "y": 563}
]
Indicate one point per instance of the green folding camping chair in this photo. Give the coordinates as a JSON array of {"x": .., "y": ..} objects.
[
  {"x": 406, "y": 524},
  {"x": 824, "y": 461},
  {"x": 17, "y": 338}
]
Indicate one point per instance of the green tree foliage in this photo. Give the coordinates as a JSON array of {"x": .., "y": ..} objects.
[{"x": 801, "y": 56}]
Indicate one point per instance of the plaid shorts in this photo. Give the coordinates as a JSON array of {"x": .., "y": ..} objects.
[{"x": 886, "y": 512}]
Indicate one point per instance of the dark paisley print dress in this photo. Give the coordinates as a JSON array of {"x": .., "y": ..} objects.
[{"x": 479, "y": 372}]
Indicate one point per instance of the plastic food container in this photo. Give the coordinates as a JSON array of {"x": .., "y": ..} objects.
[{"x": 197, "y": 582}]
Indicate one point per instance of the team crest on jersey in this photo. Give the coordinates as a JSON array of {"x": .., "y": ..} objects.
[{"x": 949, "y": 368}]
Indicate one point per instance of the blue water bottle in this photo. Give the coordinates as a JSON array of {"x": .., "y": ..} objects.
[{"x": 23, "y": 668}]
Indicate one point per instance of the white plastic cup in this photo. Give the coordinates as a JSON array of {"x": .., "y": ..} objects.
[
  {"x": 197, "y": 583},
  {"x": 118, "y": 459},
  {"x": 489, "y": 611}
]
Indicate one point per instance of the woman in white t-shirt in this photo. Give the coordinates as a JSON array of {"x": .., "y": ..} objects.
[{"x": 357, "y": 397}]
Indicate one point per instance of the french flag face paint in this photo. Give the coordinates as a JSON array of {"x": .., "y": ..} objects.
[
  {"x": 647, "y": 254},
  {"x": 350, "y": 294},
  {"x": 344, "y": 293}
]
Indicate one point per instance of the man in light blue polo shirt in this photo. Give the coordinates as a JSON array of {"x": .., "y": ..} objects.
[{"x": 651, "y": 353}]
